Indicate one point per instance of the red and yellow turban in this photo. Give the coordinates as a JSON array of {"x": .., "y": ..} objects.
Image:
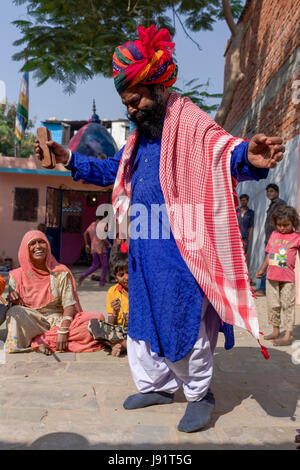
[{"x": 146, "y": 61}]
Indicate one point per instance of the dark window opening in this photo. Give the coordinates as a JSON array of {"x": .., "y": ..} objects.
[{"x": 26, "y": 204}]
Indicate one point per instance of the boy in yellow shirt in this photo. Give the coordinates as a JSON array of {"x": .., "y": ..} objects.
[
  {"x": 117, "y": 295},
  {"x": 117, "y": 300},
  {"x": 114, "y": 331}
]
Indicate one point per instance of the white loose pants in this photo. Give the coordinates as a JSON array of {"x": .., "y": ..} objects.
[{"x": 152, "y": 373}]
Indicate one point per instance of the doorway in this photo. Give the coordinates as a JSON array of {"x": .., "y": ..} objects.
[{"x": 68, "y": 215}]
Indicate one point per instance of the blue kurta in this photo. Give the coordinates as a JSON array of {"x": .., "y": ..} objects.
[{"x": 165, "y": 300}]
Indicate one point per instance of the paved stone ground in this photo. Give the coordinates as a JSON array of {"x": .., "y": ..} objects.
[{"x": 76, "y": 403}]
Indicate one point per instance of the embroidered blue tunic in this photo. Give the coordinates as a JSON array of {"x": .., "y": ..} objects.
[{"x": 165, "y": 299}]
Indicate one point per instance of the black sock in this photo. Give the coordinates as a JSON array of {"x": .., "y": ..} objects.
[
  {"x": 140, "y": 400},
  {"x": 197, "y": 414}
]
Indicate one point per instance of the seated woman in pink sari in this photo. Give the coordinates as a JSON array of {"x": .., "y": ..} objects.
[{"x": 46, "y": 314}]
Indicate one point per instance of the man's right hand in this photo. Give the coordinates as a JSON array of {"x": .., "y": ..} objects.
[{"x": 61, "y": 154}]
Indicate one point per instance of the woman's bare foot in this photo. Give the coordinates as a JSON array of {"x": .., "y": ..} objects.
[{"x": 42, "y": 349}]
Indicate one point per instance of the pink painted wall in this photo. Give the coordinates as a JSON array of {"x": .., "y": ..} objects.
[{"x": 11, "y": 232}]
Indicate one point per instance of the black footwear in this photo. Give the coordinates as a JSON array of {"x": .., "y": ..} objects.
[
  {"x": 141, "y": 400},
  {"x": 197, "y": 414}
]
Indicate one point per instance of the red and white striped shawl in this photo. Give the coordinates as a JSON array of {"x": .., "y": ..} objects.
[{"x": 195, "y": 169}]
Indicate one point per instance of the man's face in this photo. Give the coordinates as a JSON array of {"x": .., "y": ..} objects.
[
  {"x": 244, "y": 201},
  {"x": 272, "y": 194},
  {"x": 146, "y": 108},
  {"x": 136, "y": 99}
]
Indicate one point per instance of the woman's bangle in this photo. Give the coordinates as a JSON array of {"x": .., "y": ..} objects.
[
  {"x": 62, "y": 332},
  {"x": 67, "y": 317}
]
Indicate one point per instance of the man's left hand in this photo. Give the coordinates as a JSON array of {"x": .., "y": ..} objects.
[{"x": 265, "y": 152}]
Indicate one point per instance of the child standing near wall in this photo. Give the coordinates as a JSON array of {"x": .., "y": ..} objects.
[{"x": 282, "y": 248}]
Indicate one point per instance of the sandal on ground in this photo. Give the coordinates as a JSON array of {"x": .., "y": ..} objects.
[{"x": 260, "y": 293}]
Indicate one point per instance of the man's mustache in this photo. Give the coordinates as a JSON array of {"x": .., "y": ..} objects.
[{"x": 141, "y": 115}]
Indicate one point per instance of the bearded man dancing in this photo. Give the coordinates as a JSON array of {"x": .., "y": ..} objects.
[{"x": 177, "y": 157}]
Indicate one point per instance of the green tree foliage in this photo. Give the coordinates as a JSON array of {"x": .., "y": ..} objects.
[
  {"x": 72, "y": 40},
  {"x": 198, "y": 93},
  {"x": 7, "y": 129}
]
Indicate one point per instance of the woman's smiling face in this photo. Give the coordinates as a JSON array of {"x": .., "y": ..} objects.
[{"x": 37, "y": 250}]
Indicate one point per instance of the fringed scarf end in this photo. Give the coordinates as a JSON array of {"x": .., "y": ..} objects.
[
  {"x": 264, "y": 350},
  {"x": 252, "y": 292}
]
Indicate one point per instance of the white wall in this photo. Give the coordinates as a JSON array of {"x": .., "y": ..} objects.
[
  {"x": 118, "y": 132},
  {"x": 2, "y": 92}
]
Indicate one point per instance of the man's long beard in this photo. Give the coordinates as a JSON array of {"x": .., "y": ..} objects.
[{"x": 149, "y": 120}]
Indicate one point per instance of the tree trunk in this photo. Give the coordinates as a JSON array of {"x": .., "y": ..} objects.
[{"x": 235, "y": 74}]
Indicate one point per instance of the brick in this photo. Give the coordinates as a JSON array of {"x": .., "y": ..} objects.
[{"x": 271, "y": 38}]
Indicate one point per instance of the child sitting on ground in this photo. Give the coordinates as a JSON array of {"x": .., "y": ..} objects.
[
  {"x": 117, "y": 299},
  {"x": 114, "y": 332},
  {"x": 282, "y": 249}
]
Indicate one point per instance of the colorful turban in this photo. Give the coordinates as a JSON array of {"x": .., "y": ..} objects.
[{"x": 146, "y": 61}]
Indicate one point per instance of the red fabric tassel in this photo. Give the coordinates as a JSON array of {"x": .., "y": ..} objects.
[
  {"x": 264, "y": 350},
  {"x": 252, "y": 292},
  {"x": 124, "y": 247}
]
